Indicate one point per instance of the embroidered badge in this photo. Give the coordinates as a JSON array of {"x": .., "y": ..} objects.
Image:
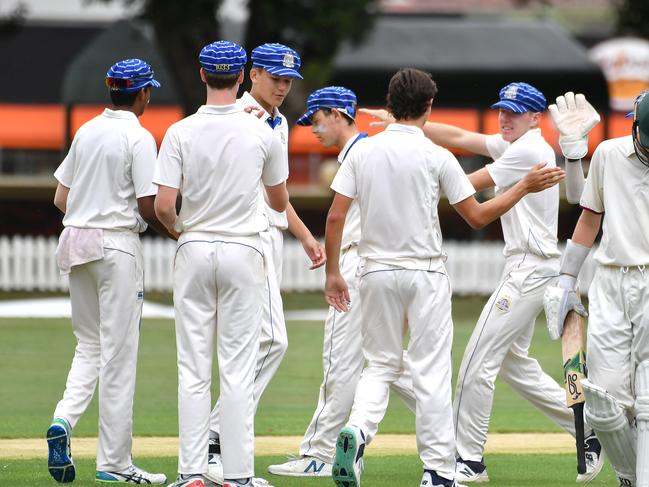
[
  {"x": 289, "y": 60},
  {"x": 504, "y": 303},
  {"x": 511, "y": 93},
  {"x": 140, "y": 295}
]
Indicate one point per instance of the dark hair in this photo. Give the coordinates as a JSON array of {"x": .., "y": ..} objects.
[
  {"x": 327, "y": 111},
  {"x": 410, "y": 93},
  {"x": 123, "y": 98},
  {"x": 221, "y": 81}
]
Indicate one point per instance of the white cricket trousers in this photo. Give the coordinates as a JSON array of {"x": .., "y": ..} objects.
[
  {"x": 390, "y": 297},
  {"x": 106, "y": 297},
  {"x": 499, "y": 346},
  {"x": 342, "y": 364},
  {"x": 618, "y": 330},
  {"x": 218, "y": 291},
  {"x": 273, "y": 339}
]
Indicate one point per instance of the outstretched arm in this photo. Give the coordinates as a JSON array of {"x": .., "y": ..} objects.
[
  {"x": 480, "y": 214},
  {"x": 440, "y": 133}
]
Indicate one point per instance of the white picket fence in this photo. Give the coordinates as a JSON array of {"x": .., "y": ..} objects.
[{"x": 28, "y": 264}]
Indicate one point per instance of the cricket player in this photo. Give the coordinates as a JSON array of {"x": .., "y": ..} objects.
[
  {"x": 106, "y": 192},
  {"x": 617, "y": 389},
  {"x": 397, "y": 177},
  {"x": 274, "y": 67},
  {"x": 331, "y": 113},
  {"x": 500, "y": 342},
  {"x": 219, "y": 275}
]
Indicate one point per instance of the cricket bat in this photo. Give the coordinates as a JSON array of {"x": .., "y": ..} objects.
[{"x": 574, "y": 367}]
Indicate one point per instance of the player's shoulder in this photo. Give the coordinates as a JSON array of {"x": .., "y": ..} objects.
[{"x": 616, "y": 144}]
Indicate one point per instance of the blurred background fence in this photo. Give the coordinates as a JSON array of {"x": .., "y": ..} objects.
[{"x": 28, "y": 264}]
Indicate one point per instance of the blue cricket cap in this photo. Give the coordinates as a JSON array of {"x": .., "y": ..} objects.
[
  {"x": 130, "y": 75},
  {"x": 277, "y": 59},
  {"x": 222, "y": 57},
  {"x": 335, "y": 97},
  {"x": 521, "y": 98}
]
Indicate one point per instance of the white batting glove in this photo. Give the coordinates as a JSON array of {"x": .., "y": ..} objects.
[
  {"x": 558, "y": 301},
  {"x": 574, "y": 118}
]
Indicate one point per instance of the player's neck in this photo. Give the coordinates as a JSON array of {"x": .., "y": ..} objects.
[
  {"x": 221, "y": 97},
  {"x": 270, "y": 109},
  {"x": 346, "y": 134},
  {"x": 125, "y": 108}
]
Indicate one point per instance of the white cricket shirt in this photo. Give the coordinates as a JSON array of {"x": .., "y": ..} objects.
[
  {"x": 397, "y": 177},
  {"x": 109, "y": 166},
  {"x": 618, "y": 186},
  {"x": 352, "y": 228},
  {"x": 275, "y": 218},
  {"x": 531, "y": 225},
  {"x": 218, "y": 158}
]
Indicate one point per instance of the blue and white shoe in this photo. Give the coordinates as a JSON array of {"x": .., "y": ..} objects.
[
  {"x": 431, "y": 479},
  {"x": 468, "y": 471},
  {"x": 131, "y": 475},
  {"x": 348, "y": 465},
  {"x": 59, "y": 458},
  {"x": 594, "y": 460},
  {"x": 304, "y": 466}
]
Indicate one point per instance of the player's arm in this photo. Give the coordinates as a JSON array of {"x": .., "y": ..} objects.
[
  {"x": 481, "y": 179},
  {"x": 480, "y": 214},
  {"x": 299, "y": 230},
  {"x": 277, "y": 196},
  {"x": 165, "y": 206},
  {"x": 440, "y": 133},
  {"x": 336, "y": 291},
  {"x": 61, "y": 197},
  {"x": 574, "y": 118},
  {"x": 146, "y": 208}
]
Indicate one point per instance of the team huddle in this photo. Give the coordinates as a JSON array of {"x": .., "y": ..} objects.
[{"x": 385, "y": 273}]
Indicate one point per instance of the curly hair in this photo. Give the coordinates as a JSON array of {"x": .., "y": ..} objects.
[{"x": 410, "y": 93}]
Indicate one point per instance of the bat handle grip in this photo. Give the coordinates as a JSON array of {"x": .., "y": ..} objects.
[{"x": 578, "y": 409}]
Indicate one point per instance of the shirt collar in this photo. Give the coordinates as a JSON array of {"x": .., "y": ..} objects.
[
  {"x": 219, "y": 109},
  {"x": 123, "y": 114},
  {"x": 410, "y": 129},
  {"x": 346, "y": 147}
]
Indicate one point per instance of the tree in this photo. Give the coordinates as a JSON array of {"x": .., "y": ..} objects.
[{"x": 315, "y": 29}]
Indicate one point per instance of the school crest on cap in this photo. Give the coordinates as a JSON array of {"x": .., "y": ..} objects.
[
  {"x": 289, "y": 60},
  {"x": 511, "y": 93}
]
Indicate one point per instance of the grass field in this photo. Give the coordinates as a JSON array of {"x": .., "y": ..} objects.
[{"x": 35, "y": 356}]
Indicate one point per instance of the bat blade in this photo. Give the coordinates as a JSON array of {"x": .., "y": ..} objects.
[{"x": 574, "y": 367}]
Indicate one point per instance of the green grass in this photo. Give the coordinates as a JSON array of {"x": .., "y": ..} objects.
[
  {"x": 35, "y": 356},
  {"x": 392, "y": 471}
]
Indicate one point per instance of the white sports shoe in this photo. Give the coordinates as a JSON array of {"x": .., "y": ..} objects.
[
  {"x": 431, "y": 479},
  {"x": 471, "y": 472},
  {"x": 131, "y": 475},
  {"x": 214, "y": 468},
  {"x": 594, "y": 460},
  {"x": 192, "y": 481},
  {"x": 305, "y": 466},
  {"x": 348, "y": 466}
]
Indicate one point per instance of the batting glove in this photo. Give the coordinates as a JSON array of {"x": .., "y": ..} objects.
[
  {"x": 574, "y": 118},
  {"x": 558, "y": 301}
]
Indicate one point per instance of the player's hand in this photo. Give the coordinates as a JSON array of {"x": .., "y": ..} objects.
[
  {"x": 315, "y": 251},
  {"x": 558, "y": 301},
  {"x": 574, "y": 118},
  {"x": 540, "y": 177},
  {"x": 337, "y": 293},
  {"x": 255, "y": 110},
  {"x": 384, "y": 118}
]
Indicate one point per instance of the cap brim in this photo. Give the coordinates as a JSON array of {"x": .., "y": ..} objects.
[
  {"x": 154, "y": 83},
  {"x": 511, "y": 105},
  {"x": 305, "y": 120},
  {"x": 629, "y": 115},
  {"x": 283, "y": 71}
]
